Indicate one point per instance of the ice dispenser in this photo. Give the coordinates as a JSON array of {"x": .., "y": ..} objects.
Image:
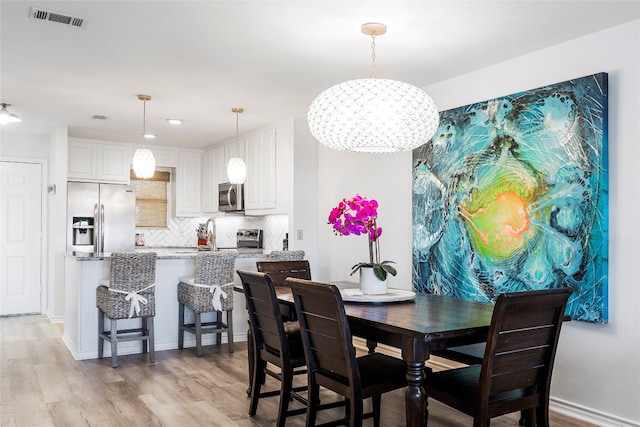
[{"x": 82, "y": 231}]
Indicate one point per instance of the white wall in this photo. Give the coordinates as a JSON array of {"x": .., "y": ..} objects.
[{"x": 597, "y": 371}]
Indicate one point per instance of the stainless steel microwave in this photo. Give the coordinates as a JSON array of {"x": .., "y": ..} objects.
[{"x": 230, "y": 197}]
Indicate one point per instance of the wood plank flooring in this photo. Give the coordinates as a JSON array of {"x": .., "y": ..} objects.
[{"x": 42, "y": 385}]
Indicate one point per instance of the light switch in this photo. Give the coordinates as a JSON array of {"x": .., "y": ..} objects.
[{"x": 299, "y": 234}]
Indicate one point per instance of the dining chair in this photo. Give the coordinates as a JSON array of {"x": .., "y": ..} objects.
[
  {"x": 286, "y": 255},
  {"x": 515, "y": 373},
  {"x": 331, "y": 356},
  {"x": 210, "y": 289},
  {"x": 274, "y": 342},
  {"x": 129, "y": 292},
  {"x": 278, "y": 271}
]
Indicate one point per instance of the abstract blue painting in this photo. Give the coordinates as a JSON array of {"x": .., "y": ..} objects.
[{"x": 511, "y": 194}]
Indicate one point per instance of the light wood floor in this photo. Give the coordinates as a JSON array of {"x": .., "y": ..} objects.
[{"x": 41, "y": 385}]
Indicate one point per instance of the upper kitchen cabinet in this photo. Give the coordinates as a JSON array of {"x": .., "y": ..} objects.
[
  {"x": 260, "y": 185},
  {"x": 214, "y": 172},
  {"x": 98, "y": 162},
  {"x": 188, "y": 187}
]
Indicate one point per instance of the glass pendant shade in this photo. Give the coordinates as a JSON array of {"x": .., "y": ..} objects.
[
  {"x": 144, "y": 164},
  {"x": 236, "y": 170},
  {"x": 374, "y": 116}
]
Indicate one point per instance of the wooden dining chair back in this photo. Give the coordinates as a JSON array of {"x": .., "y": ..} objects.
[
  {"x": 515, "y": 374},
  {"x": 331, "y": 355},
  {"x": 280, "y": 270},
  {"x": 274, "y": 342}
]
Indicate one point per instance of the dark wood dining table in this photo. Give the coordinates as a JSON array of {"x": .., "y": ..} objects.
[{"x": 416, "y": 327}]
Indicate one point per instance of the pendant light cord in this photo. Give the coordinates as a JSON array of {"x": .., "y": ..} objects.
[{"x": 373, "y": 56}]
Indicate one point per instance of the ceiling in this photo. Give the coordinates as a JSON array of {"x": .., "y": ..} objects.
[{"x": 198, "y": 59}]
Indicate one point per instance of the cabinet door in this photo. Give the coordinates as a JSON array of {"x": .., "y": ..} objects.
[
  {"x": 214, "y": 171},
  {"x": 260, "y": 186},
  {"x": 188, "y": 178},
  {"x": 112, "y": 163},
  {"x": 81, "y": 161}
]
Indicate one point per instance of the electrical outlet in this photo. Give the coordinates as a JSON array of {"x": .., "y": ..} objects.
[{"x": 299, "y": 234}]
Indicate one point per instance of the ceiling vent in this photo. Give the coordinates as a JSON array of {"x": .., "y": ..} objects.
[
  {"x": 99, "y": 117},
  {"x": 61, "y": 18}
]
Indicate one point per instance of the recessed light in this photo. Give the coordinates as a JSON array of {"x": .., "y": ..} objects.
[
  {"x": 174, "y": 121},
  {"x": 148, "y": 135}
]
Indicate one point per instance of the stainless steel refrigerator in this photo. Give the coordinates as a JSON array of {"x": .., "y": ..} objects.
[{"x": 100, "y": 218}]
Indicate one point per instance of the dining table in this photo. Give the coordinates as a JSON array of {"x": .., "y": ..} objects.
[{"x": 417, "y": 326}]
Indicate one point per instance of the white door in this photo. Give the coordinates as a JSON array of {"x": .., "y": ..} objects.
[{"x": 20, "y": 237}]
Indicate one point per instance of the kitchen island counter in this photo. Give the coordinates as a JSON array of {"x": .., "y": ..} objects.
[
  {"x": 174, "y": 252},
  {"x": 82, "y": 274}
]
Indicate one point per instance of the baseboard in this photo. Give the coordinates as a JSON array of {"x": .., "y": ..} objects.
[{"x": 589, "y": 415}]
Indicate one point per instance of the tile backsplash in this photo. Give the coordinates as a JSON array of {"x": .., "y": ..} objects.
[{"x": 181, "y": 231}]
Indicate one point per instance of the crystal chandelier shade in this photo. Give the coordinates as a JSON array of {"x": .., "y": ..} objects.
[
  {"x": 236, "y": 169},
  {"x": 373, "y": 115},
  {"x": 143, "y": 162}
]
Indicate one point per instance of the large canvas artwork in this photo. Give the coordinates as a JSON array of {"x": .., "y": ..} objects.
[{"x": 512, "y": 194}]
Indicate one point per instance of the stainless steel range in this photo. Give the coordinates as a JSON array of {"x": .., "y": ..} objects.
[{"x": 249, "y": 238}]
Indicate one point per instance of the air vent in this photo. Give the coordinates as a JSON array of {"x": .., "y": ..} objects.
[
  {"x": 61, "y": 18},
  {"x": 99, "y": 117}
]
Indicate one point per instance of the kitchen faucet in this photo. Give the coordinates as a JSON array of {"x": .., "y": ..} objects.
[{"x": 211, "y": 233}]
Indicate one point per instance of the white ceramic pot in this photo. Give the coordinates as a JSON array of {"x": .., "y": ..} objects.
[{"x": 370, "y": 284}]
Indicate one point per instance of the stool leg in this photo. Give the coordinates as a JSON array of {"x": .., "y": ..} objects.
[
  {"x": 145, "y": 333},
  {"x": 218, "y": 325},
  {"x": 180, "y": 325},
  {"x": 230, "y": 330},
  {"x": 114, "y": 343},
  {"x": 152, "y": 342},
  {"x": 198, "y": 325},
  {"x": 100, "y": 332}
]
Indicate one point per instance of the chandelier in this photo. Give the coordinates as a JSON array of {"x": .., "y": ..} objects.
[
  {"x": 144, "y": 164},
  {"x": 6, "y": 116},
  {"x": 373, "y": 115},
  {"x": 236, "y": 169}
]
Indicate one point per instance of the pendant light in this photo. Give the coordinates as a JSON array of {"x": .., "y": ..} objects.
[
  {"x": 144, "y": 164},
  {"x": 6, "y": 116},
  {"x": 373, "y": 115},
  {"x": 236, "y": 169}
]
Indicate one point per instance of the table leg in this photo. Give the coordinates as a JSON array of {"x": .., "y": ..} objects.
[{"x": 415, "y": 397}]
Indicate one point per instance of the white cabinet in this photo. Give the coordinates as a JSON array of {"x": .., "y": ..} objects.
[
  {"x": 213, "y": 172},
  {"x": 188, "y": 189},
  {"x": 260, "y": 185},
  {"x": 91, "y": 161}
]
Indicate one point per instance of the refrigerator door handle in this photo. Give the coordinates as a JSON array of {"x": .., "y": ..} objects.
[
  {"x": 101, "y": 228},
  {"x": 96, "y": 231}
]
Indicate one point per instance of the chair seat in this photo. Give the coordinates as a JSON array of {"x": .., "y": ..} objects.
[{"x": 381, "y": 373}]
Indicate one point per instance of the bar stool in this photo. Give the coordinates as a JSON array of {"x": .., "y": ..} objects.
[
  {"x": 286, "y": 255},
  {"x": 210, "y": 289},
  {"x": 129, "y": 292}
]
